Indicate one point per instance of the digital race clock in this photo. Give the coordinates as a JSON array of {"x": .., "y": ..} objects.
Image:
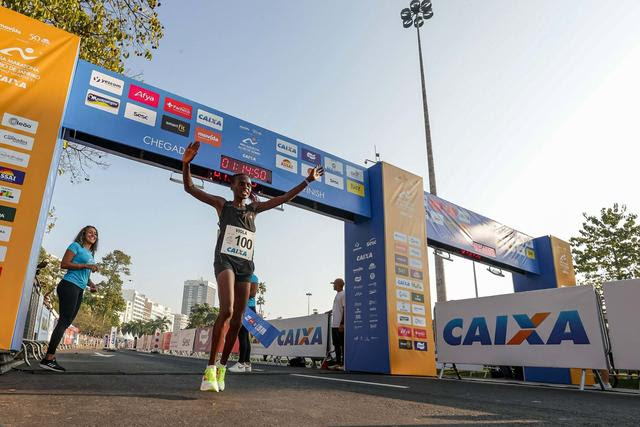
[{"x": 237, "y": 166}]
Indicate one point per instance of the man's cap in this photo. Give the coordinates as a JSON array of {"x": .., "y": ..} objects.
[{"x": 338, "y": 281}]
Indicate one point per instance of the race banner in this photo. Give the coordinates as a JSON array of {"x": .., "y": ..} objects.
[
  {"x": 203, "y": 340},
  {"x": 622, "y": 299},
  {"x": 557, "y": 328},
  {"x": 186, "y": 337},
  {"x": 36, "y": 65},
  {"x": 299, "y": 337},
  {"x": 262, "y": 330}
]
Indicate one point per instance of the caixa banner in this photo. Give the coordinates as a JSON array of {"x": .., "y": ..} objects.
[
  {"x": 299, "y": 336},
  {"x": 557, "y": 328}
]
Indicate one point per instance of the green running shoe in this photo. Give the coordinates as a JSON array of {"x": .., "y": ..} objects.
[
  {"x": 209, "y": 382},
  {"x": 221, "y": 370}
]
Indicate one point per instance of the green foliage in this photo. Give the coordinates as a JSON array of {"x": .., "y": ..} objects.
[
  {"x": 137, "y": 328},
  {"x": 100, "y": 310},
  {"x": 110, "y": 31},
  {"x": 49, "y": 276},
  {"x": 608, "y": 247},
  {"x": 202, "y": 315},
  {"x": 262, "y": 291}
]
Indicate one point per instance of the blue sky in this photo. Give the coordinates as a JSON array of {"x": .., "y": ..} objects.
[{"x": 533, "y": 109}]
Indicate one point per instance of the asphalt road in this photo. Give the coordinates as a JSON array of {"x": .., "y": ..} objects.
[{"x": 128, "y": 388}]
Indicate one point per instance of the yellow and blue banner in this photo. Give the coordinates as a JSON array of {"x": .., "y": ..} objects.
[{"x": 36, "y": 65}]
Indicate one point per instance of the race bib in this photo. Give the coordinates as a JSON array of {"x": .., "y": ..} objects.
[{"x": 238, "y": 242}]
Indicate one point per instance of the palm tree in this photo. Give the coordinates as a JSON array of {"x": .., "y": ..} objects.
[{"x": 202, "y": 315}]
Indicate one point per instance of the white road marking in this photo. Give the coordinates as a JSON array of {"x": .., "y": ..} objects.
[
  {"x": 104, "y": 355},
  {"x": 349, "y": 381}
]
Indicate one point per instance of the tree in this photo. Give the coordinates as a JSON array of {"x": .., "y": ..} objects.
[
  {"x": 202, "y": 315},
  {"x": 608, "y": 247},
  {"x": 101, "y": 309},
  {"x": 110, "y": 31},
  {"x": 262, "y": 291},
  {"x": 50, "y": 275}
]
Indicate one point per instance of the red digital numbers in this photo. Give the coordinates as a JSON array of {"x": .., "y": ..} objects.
[{"x": 237, "y": 166}]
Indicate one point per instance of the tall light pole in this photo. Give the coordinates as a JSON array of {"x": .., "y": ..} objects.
[
  {"x": 308, "y": 303},
  {"x": 415, "y": 15}
]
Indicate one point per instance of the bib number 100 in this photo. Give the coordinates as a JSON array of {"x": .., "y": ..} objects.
[{"x": 244, "y": 242}]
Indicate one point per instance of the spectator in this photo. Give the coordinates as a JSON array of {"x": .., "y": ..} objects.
[{"x": 337, "y": 323}]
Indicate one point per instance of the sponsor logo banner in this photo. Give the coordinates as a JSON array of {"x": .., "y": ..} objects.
[
  {"x": 16, "y": 140},
  {"x": 404, "y": 295},
  {"x": 403, "y": 306},
  {"x": 355, "y": 173},
  {"x": 418, "y": 309},
  {"x": 404, "y": 319},
  {"x": 3, "y": 253},
  {"x": 208, "y": 137},
  {"x": 178, "y": 108},
  {"x": 334, "y": 180},
  {"x": 209, "y": 119},
  {"x": 400, "y": 248},
  {"x": 557, "y": 327},
  {"x": 403, "y": 283},
  {"x": 420, "y": 345},
  {"x": 419, "y": 321},
  {"x": 420, "y": 333},
  {"x": 415, "y": 252},
  {"x": 622, "y": 311},
  {"x": 144, "y": 96},
  {"x": 286, "y": 163},
  {"x": 174, "y": 125},
  {"x": 9, "y": 194},
  {"x": 400, "y": 237},
  {"x": 102, "y": 102},
  {"x": 311, "y": 157},
  {"x": 414, "y": 241},
  {"x": 264, "y": 331},
  {"x": 140, "y": 114},
  {"x": 20, "y": 123},
  {"x": 402, "y": 271},
  {"x": 12, "y": 176},
  {"x": 14, "y": 157},
  {"x": 403, "y": 331},
  {"x": 417, "y": 286},
  {"x": 415, "y": 297},
  {"x": 415, "y": 263},
  {"x": 416, "y": 274},
  {"x": 7, "y": 214},
  {"x": 106, "y": 82},
  {"x": 401, "y": 259},
  {"x": 355, "y": 188},
  {"x": 333, "y": 165},
  {"x": 299, "y": 336},
  {"x": 287, "y": 148},
  {"x": 405, "y": 344},
  {"x": 5, "y": 233}
]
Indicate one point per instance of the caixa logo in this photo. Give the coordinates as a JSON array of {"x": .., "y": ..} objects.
[
  {"x": 567, "y": 327},
  {"x": 301, "y": 336}
]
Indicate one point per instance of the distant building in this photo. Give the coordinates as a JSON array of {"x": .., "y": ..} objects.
[
  {"x": 135, "y": 306},
  {"x": 139, "y": 307},
  {"x": 198, "y": 292},
  {"x": 180, "y": 321}
]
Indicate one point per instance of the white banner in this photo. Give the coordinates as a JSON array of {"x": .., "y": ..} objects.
[
  {"x": 175, "y": 339},
  {"x": 299, "y": 336},
  {"x": 186, "y": 337},
  {"x": 622, "y": 299},
  {"x": 557, "y": 327}
]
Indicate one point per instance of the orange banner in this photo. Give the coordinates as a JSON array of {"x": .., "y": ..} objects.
[
  {"x": 36, "y": 66},
  {"x": 562, "y": 262},
  {"x": 411, "y": 340}
]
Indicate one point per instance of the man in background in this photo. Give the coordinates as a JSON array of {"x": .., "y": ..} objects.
[{"x": 337, "y": 323}]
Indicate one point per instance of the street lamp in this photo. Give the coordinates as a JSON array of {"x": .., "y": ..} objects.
[
  {"x": 415, "y": 15},
  {"x": 308, "y": 303}
]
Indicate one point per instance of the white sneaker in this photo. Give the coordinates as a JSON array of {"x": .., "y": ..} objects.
[
  {"x": 247, "y": 367},
  {"x": 238, "y": 367}
]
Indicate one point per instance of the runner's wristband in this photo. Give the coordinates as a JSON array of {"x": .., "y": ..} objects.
[{"x": 308, "y": 181}]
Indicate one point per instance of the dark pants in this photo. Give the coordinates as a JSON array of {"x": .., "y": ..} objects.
[
  {"x": 70, "y": 298},
  {"x": 245, "y": 344},
  {"x": 337, "y": 338}
]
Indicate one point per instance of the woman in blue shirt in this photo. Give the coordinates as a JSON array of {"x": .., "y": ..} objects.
[
  {"x": 79, "y": 263},
  {"x": 244, "y": 360}
]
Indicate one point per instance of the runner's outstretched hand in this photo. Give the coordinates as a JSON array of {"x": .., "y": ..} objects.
[
  {"x": 190, "y": 152},
  {"x": 315, "y": 173}
]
